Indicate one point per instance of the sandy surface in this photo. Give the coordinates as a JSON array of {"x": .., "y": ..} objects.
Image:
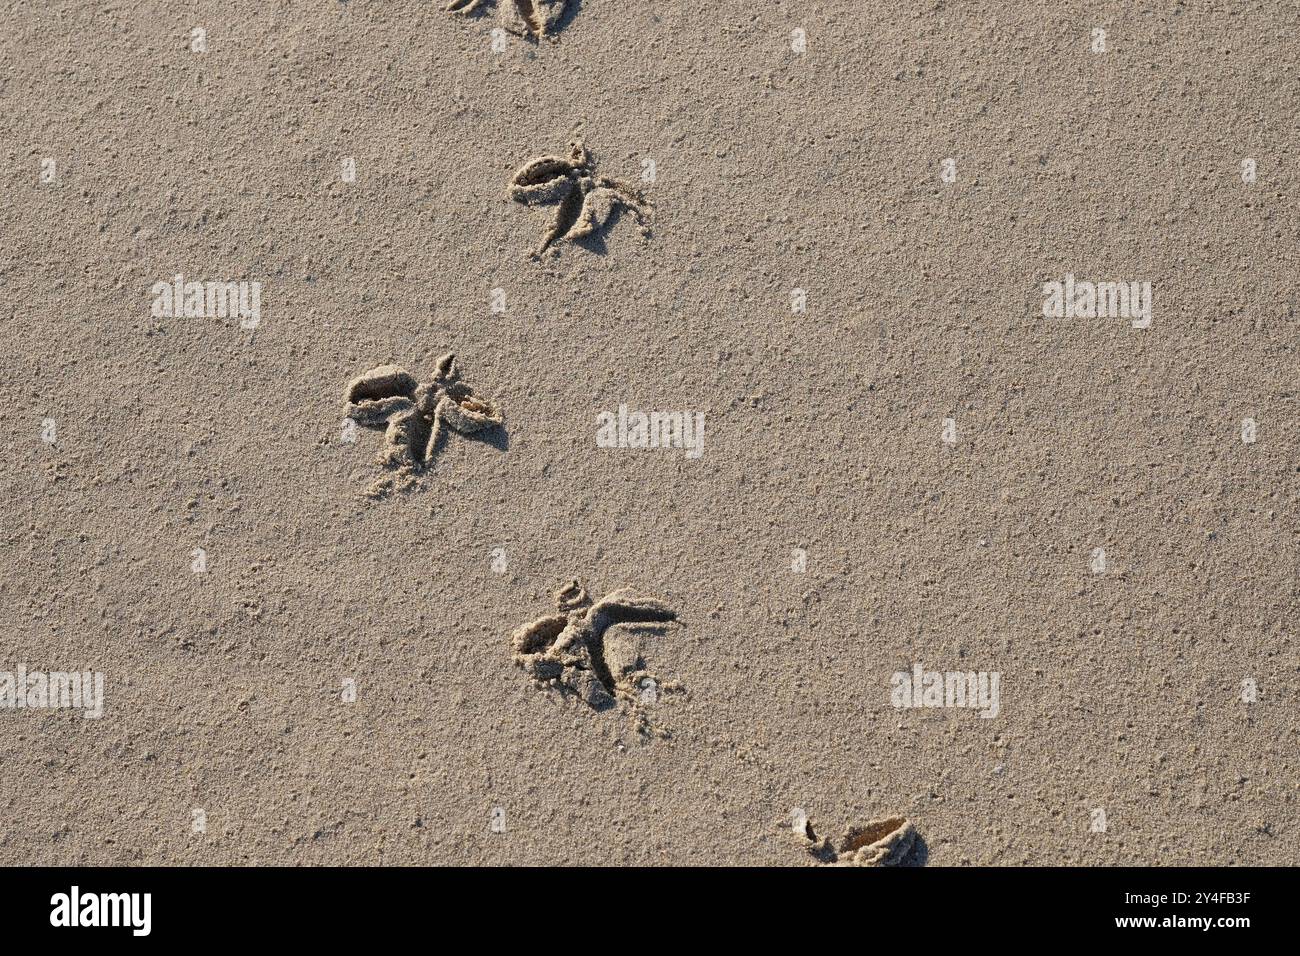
[{"x": 1120, "y": 691}]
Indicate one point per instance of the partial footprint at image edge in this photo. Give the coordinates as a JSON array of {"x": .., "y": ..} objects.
[
  {"x": 888, "y": 841},
  {"x": 534, "y": 19}
]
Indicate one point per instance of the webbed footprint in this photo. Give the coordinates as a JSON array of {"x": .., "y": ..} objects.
[
  {"x": 585, "y": 202},
  {"x": 596, "y": 651},
  {"x": 536, "y": 19},
  {"x": 415, "y": 416},
  {"x": 889, "y": 841}
]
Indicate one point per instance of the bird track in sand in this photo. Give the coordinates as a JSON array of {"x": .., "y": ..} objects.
[
  {"x": 537, "y": 19},
  {"x": 416, "y": 416},
  {"x": 594, "y": 650},
  {"x": 886, "y": 842},
  {"x": 585, "y": 202}
]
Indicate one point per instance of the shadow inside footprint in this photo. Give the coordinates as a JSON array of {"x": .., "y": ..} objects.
[
  {"x": 570, "y": 11},
  {"x": 596, "y": 242},
  {"x": 497, "y": 438},
  {"x": 919, "y": 856}
]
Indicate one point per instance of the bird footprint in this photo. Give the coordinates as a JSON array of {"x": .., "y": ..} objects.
[
  {"x": 539, "y": 19},
  {"x": 595, "y": 650},
  {"x": 586, "y": 202},
  {"x": 886, "y": 842},
  {"x": 416, "y": 415}
]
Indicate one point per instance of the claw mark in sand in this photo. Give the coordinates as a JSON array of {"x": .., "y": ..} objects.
[
  {"x": 536, "y": 19},
  {"x": 594, "y": 650},
  {"x": 586, "y": 201},
  {"x": 887, "y": 842},
  {"x": 417, "y": 416}
]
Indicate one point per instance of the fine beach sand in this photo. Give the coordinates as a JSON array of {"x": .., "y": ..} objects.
[{"x": 774, "y": 170}]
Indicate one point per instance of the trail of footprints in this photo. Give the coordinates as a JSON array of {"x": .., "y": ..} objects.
[{"x": 593, "y": 651}]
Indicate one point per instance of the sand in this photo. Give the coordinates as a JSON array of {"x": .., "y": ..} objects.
[{"x": 297, "y": 673}]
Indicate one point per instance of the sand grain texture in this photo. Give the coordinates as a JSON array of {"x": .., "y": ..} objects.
[{"x": 775, "y": 171}]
